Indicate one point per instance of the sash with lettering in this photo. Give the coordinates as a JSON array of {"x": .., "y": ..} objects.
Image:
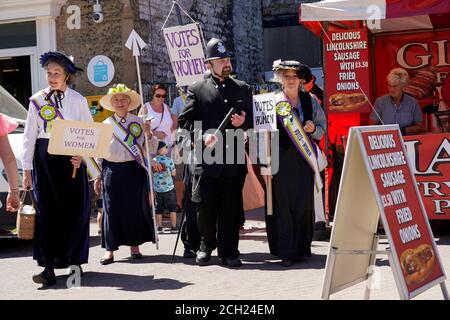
[
  {"x": 48, "y": 112},
  {"x": 128, "y": 137},
  {"x": 299, "y": 137}
]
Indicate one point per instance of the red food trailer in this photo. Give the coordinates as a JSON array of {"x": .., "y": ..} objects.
[{"x": 362, "y": 41}]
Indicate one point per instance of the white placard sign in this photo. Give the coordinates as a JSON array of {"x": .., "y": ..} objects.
[
  {"x": 100, "y": 71},
  {"x": 81, "y": 138},
  {"x": 87, "y": 139},
  {"x": 186, "y": 53},
  {"x": 264, "y": 115}
]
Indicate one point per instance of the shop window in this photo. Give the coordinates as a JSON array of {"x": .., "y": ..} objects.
[{"x": 16, "y": 35}]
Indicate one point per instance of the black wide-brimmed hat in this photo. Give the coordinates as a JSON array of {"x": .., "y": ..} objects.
[
  {"x": 62, "y": 58},
  {"x": 216, "y": 50},
  {"x": 303, "y": 71}
]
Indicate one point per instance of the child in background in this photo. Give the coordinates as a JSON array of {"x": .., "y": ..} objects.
[{"x": 166, "y": 197}]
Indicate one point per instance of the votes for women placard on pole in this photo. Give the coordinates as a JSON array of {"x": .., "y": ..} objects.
[
  {"x": 87, "y": 139},
  {"x": 377, "y": 181},
  {"x": 184, "y": 44},
  {"x": 264, "y": 115}
]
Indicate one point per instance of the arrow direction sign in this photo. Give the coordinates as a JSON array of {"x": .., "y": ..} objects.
[{"x": 135, "y": 43}]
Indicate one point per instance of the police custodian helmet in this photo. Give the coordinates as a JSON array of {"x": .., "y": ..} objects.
[{"x": 216, "y": 50}]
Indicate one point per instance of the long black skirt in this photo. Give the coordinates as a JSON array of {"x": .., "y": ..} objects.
[
  {"x": 62, "y": 210},
  {"x": 127, "y": 216},
  {"x": 290, "y": 228}
]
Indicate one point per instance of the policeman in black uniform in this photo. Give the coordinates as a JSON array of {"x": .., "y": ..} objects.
[{"x": 217, "y": 187}]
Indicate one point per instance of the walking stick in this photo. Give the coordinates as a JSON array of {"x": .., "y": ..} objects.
[
  {"x": 183, "y": 216},
  {"x": 179, "y": 233}
]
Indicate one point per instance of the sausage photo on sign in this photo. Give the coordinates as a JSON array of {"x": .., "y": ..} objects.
[
  {"x": 345, "y": 102},
  {"x": 417, "y": 264},
  {"x": 421, "y": 83}
]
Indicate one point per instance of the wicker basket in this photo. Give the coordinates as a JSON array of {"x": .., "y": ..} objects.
[{"x": 26, "y": 217}]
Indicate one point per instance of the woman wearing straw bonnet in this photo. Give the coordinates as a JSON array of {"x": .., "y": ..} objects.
[
  {"x": 126, "y": 207},
  {"x": 299, "y": 119},
  {"x": 62, "y": 202}
]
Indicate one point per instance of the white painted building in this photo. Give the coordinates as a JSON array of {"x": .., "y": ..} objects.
[{"x": 27, "y": 29}]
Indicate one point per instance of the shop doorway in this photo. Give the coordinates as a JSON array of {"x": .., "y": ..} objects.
[{"x": 15, "y": 77}]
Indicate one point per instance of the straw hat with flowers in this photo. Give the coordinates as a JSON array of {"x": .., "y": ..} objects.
[{"x": 135, "y": 98}]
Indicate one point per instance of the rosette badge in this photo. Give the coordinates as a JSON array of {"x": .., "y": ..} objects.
[
  {"x": 48, "y": 114},
  {"x": 134, "y": 132},
  {"x": 284, "y": 110}
]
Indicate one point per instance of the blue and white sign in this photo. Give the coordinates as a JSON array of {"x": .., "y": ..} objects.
[{"x": 100, "y": 71}]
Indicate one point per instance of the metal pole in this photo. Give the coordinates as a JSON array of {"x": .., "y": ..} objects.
[
  {"x": 371, "y": 268},
  {"x": 329, "y": 270},
  {"x": 178, "y": 235},
  {"x": 444, "y": 290},
  {"x": 396, "y": 276}
]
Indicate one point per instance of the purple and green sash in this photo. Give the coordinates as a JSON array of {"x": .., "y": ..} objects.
[
  {"x": 48, "y": 112},
  {"x": 299, "y": 137},
  {"x": 46, "y": 109},
  {"x": 128, "y": 138}
]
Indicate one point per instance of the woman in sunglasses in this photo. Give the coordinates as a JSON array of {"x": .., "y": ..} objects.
[{"x": 161, "y": 124}]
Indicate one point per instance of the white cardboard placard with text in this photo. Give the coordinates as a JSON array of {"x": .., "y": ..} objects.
[
  {"x": 184, "y": 44},
  {"x": 264, "y": 115},
  {"x": 87, "y": 139}
]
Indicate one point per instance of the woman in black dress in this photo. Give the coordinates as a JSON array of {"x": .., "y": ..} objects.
[
  {"x": 290, "y": 228},
  {"x": 62, "y": 202},
  {"x": 126, "y": 209}
]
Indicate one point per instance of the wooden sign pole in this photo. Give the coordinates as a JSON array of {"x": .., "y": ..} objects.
[{"x": 267, "y": 148}]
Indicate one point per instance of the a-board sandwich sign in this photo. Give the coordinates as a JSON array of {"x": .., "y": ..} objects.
[{"x": 377, "y": 181}]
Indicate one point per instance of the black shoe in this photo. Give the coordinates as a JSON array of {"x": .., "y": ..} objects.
[
  {"x": 136, "y": 255},
  {"x": 320, "y": 226},
  {"x": 232, "y": 262},
  {"x": 46, "y": 277},
  {"x": 188, "y": 254},
  {"x": 105, "y": 261},
  {"x": 320, "y": 231},
  {"x": 203, "y": 257},
  {"x": 174, "y": 229}
]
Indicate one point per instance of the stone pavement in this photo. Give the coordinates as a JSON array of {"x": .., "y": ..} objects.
[{"x": 154, "y": 277}]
